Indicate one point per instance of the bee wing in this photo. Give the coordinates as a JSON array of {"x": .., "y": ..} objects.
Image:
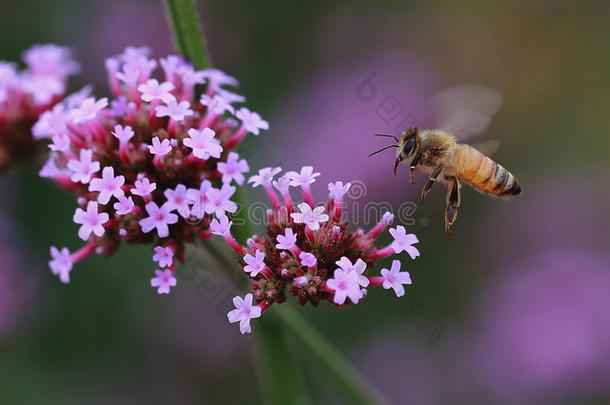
[
  {"x": 487, "y": 147},
  {"x": 466, "y": 110}
]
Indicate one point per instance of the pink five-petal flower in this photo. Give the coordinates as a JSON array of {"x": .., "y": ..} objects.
[
  {"x": 91, "y": 221},
  {"x": 358, "y": 268},
  {"x": 123, "y": 134},
  {"x": 244, "y": 311},
  {"x": 311, "y": 218},
  {"x": 216, "y": 104},
  {"x": 178, "y": 200},
  {"x": 61, "y": 263},
  {"x": 159, "y": 147},
  {"x": 84, "y": 168},
  {"x": 403, "y": 241},
  {"x": 61, "y": 143},
  {"x": 143, "y": 187},
  {"x": 251, "y": 121},
  {"x": 88, "y": 109},
  {"x": 394, "y": 278},
  {"x": 254, "y": 264},
  {"x": 174, "y": 110},
  {"x": 164, "y": 256},
  {"x": 221, "y": 227},
  {"x": 164, "y": 280},
  {"x": 345, "y": 285},
  {"x": 233, "y": 169},
  {"x": 287, "y": 241},
  {"x": 153, "y": 90},
  {"x": 124, "y": 206},
  {"x": 303, "y": 178},
  {"x": 159, "y": 218},
  {"x": 337, "y": 190},
  {"x": 219, "y": 200},
  {"x": 108, "y": 186},
  {"x": 199, "y": 198},
  {"x": 264, "y": 176},
  {"x": 203, "y": 143},
  {"x": 308, "y": 259}
]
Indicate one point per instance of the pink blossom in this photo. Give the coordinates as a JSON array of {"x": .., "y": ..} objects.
[
  {"x": 178, "y": 200},
  {"x": 345, "y": 285},
  {"x": 152, "y": 90},
  {"x": 61, "y": 263},
  {"x": 124, "y": 206},
  {"x": 91, "y": 221},
  {"x": 164, "y": 280},
  {"x": 216, "y": 104},
  {"x": 174, "y": 110},
  {"x": 89, "y": 109},
  {"x": 233, "y": 169},
  {"x": 61, "y": 143},
  {"x": 282, "y": 184},
  {"x": 403, "y": 241},
  {"x": 244, "y": 311},
  {"x": 337, "y": 190},
  {"x": 203, "y": 143},
  {"x": 50, "y": 60},
  {"x": 221, "y": 227},
  {"x": 159, "y": 218},
  {"x": 251, "y": 121},
  {"x": 160, "y": 148},
  {"x": 108, "y": 186},
  {"x": 42, "y": 88},
  {"x": 286, "y": 241},
  {"x": 143, "y": 187},
  {"x": 254, "y": 264},
  {"x": 190, "y": 76},
  {"x": 308, "y": 259},
  {"x": 199, "y": 198},
  {"x": 51, "y": 123},
  {"x": 304, "y": 178},
  {"x": 123, "y": 134},
  {"x": 264, "y": 176},
  {"x": 357, "y": 268},
  {"x": 164, "y": 256},
  {"x": 311, "y": 218},
  {"x": 84, "y": 168},
  {"x": 219, "y": 200},
  {"x": 394, "y": 278},
  {"x": 217, "y": 78}
]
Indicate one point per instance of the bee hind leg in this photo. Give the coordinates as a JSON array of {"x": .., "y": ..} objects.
[
  {"x": 453, "y": 202},
  {"x": 430, "y": 183}
]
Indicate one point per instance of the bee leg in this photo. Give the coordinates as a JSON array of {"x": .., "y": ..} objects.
[
  {"x": 430, "y": 182},
  {"x": 414, "y": 164},
  {"x": 453, "y": 202}
]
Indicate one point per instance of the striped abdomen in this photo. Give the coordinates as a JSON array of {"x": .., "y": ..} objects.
[{"x": 483, "y": 173}]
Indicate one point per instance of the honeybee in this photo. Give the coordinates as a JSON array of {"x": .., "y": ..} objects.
[{"x": 438, "y": 153}]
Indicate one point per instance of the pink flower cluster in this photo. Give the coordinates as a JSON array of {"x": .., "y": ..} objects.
[
  {"x": 26, "y": 94},
  {"x": 308, "y": 250},
  {"x": 152, "y": 165}
]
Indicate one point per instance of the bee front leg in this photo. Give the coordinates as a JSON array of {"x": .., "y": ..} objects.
[
  {"x": 430, "y": 182},
  {"x": 414, "y": 164},
  {"x": 453, "y": 202}
]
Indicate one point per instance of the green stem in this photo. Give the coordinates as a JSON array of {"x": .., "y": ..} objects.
[
  {"x": 280, "y": 372},
  {"x": 184, "y": 20}
]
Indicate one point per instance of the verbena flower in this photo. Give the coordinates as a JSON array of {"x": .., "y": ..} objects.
[
  {"x": 26, "y": 94},
  {"x": 151, "y": 165},
  {"x": 309, "y": 251}
]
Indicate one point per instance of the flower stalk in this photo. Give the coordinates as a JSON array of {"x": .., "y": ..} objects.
[{"x": 280, "y": 374}]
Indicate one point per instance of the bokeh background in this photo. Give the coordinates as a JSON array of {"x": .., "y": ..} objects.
[{"x": 513, "y": 308}]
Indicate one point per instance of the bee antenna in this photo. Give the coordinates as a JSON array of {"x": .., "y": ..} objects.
[
  {"x": 382, "y": 149},
  {"x": 388, "y": 136}
]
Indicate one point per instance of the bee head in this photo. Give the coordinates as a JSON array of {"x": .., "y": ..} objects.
[{"x": 407, "y": 146}]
